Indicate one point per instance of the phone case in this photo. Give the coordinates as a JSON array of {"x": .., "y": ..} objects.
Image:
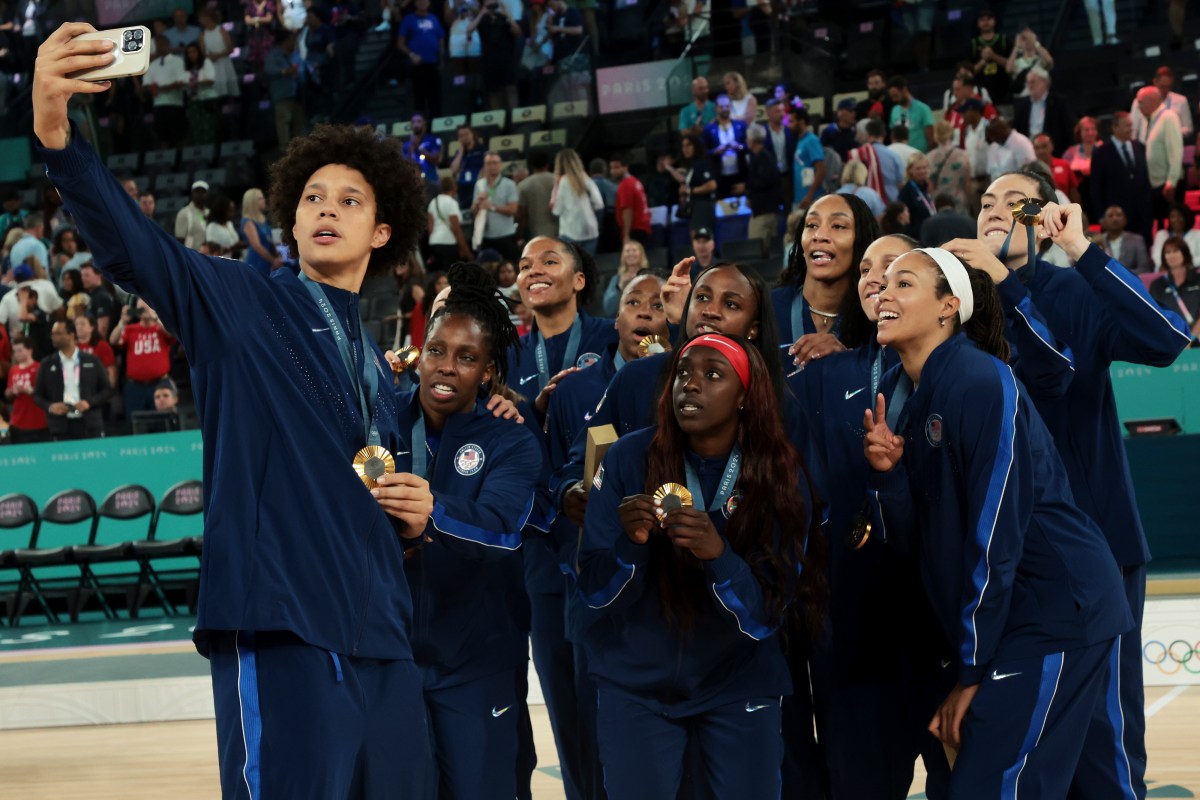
[{"x": 133, "y": 53}]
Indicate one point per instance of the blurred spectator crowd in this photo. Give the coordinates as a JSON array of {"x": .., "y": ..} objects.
[{"x": 732, "y": 178}]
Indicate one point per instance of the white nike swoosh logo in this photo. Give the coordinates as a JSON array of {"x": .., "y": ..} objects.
[
  {"x": 945, "y": 664},
  {"x": 527, "y": 380},
  {"x": 319, "y": 330},
  {"x": 851, "y": 394},
  {"x": 587, "y": 417},
  {"x": 499, "y": 712},
  {"x": 996, "y": 676},
  {"x": 751, "y": 709}
]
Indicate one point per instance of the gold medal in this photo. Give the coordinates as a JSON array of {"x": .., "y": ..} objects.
[
  {"x": 671, "y": 496},
  {"x": 406, "y": 359},
  {"x": 1026, "y": 211},
  {"x": 372, "y": 463},
  {"x": 653, "y": 344}
]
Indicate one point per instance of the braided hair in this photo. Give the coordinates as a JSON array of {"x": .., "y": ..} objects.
[{"x": 474, "y": 293}]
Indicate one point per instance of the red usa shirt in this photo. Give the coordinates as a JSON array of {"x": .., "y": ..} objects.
[
  {"x": 25, "y": 413},
  {"x": 147, "y": 353}
]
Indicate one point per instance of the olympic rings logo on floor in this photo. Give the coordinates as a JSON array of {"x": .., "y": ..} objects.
[{"x": 1170, "y": 658}]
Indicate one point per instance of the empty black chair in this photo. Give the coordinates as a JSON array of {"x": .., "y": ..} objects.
[
  {"x": 107, "y": 559},
  {"x": 124, "y": 162},
  {"x": 157, "y": 161},
  {"x": 176, "y": 183},
  {"x": 18, "y": 526},
  {"x": 215, "y": 178},
  {"x": 198, "y": 156},
  {"x": 170, "y": 562},
  {"x": 66, "y": 520},
  {"x": 743, "y": 250}
]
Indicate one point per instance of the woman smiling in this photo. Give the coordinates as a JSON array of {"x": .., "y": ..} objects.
[
  {"x": 483, "y": 473},
  {"x": 1022, "y": 582}
]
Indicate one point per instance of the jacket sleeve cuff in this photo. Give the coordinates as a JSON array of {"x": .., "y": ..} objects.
[
  {"x": 73, "y": 160},
  {"x": 635, "y": 555},
  {"x": 1092, "y": 262},
  {"x": 887, "y": 482},
  {"x": 970, "y": 676},
  {"x": 725, "y": 566},
  {"x": 1012, "y": 291}
]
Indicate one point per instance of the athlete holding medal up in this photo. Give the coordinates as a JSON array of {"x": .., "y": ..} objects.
[
  {"x": 304, "y": 610},
  {"x": 689, "y": 599}
]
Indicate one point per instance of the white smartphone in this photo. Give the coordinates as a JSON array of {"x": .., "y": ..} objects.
[{"x": 133, "y": 46}]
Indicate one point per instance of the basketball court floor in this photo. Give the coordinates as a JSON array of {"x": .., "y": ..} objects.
[{"x": 123, "y": 710}]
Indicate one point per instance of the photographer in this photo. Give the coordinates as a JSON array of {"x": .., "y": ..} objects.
[{"x": 147, "y": 349}]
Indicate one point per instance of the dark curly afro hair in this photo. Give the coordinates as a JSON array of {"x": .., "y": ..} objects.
[{"x": 397, "y": 182}]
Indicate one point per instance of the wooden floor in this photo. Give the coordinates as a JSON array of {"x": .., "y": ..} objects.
[{"x": 177, "y": 760}]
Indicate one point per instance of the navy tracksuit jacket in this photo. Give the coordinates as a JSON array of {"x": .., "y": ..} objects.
[
  {"x": 1012, "y": 567},
  {"x": 483, "y": 478},
  {"x": 731, "y": 651},
  {"x": 292, "y": 539}
]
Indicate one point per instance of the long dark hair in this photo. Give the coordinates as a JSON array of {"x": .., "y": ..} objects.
[
  {"x": 768, "y": 328},
  {"x": 856, "y": 329},
  {"x": 986, "y": 325},
  {"x": 473, "y": 293},
  {"x": 772, "y": 529}
]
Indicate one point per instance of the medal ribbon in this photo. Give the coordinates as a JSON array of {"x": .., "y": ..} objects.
[
  {"x": 876, "y": 374},
  {"x": 365, "y": 381},
  {"x": 733, "y": 468},
  {"x": 898, "y": 402},
  {"x": 569, "y": 356},
  {"x": 801, "y": 312},
  {"x": 419, "y": 446},
  {"x": 618, "y": 360}
]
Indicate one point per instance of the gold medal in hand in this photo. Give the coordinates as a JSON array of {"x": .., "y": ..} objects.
[{"x": 372, "y": 463}]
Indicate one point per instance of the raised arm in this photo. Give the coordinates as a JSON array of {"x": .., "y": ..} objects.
[
  {"x": 1128, "y": 324},
  {"x": 190, "y": 291}
]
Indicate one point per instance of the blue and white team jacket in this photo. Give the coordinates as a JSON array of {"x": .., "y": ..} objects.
[
  {"x": 292, "y": 539},
  {"x": 1103, "y": 313},
  {"x": 627, "y": 403},
  {"x": 595, "y": 335},
  {"x": 731, "y": 651},
  {"x": 1012, "y": 567},
  {"x": 876, "y": 599},
  {"x": 483, "y": 473}
]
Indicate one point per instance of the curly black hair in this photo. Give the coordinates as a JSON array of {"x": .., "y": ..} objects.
[
  {"x": 398, "y": 185},
  {"x": 473, "y": 292}
]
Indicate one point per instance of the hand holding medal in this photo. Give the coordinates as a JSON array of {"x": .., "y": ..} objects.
[{"x": 638, "y": 517}]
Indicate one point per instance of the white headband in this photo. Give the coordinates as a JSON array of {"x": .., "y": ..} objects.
[{"x": 956, "y": 276}]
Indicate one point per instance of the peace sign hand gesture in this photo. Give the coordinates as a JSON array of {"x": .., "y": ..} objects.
[{"x": 882, "y": 448}]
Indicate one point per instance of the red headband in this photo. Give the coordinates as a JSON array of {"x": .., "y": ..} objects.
[{"x": 728, "y": 348}]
